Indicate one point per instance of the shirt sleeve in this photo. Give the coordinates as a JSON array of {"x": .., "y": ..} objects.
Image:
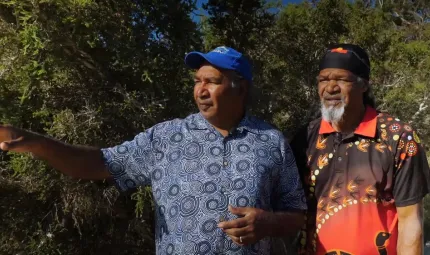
[
  {"x": 411, "y": 176},
  {"x": 289, "y": 191},
  {"x": 130, "y": 163}
]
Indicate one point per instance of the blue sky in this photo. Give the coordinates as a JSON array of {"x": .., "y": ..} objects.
[{"x": 200, "y": 2}]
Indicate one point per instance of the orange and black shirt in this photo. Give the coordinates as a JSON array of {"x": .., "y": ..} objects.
[{"x": 354, "y": 182}]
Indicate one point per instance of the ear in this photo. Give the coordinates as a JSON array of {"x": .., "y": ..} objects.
[
  {"x": 243, "y": 87},
  {"x": 237, "y": 87},
  {"x": 365, "y": 86}
]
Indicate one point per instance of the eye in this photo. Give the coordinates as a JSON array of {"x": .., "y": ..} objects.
[
  {"x": 215, "y": 82},
  {"x": 197, "y": 82},
  {"x": 343, "y": 81}
]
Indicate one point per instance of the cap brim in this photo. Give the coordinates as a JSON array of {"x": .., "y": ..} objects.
[{"x": 196, "y": 59}]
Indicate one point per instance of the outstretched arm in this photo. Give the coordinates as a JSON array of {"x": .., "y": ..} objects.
[{"x": 76, "y": 161}]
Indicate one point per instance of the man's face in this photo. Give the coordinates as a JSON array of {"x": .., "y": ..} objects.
[
  {"x": 214, "y": 95},
  {"x": 338, "y": 92}
]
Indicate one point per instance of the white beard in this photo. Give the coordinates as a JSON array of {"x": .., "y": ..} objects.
[{"x": 333, "y": 113}]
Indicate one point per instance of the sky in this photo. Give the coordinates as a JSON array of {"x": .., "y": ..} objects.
[{"x": 200, "y": 2}]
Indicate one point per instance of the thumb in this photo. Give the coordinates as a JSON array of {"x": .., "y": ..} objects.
[
  {"x": 240, "y": 211},
  {"x": 12, "y": 145}
]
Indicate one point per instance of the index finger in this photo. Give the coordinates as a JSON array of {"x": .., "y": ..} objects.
[{"x": 237, "y": 223}]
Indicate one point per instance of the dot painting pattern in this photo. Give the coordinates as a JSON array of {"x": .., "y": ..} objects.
[
  {"x": 195, "y": 173},
  {"x": 352, "y": 194}
]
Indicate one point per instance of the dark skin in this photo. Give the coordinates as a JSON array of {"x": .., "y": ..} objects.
[
  {"x": 254, "y": 224},
  {"x": 79, "y": 162},
  {"x": 220, "y": 104},
  {"x": 334, "y": 83}
]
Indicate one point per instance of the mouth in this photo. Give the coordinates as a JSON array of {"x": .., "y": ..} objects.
[
  {"x": 332, "y": 101},
  {"x": 204, "y": 107}
]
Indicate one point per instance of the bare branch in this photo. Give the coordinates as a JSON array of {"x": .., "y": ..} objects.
[{"x": 422, "y": 107}]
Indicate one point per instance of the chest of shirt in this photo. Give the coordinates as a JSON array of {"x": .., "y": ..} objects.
[
  {"x": 240, "y": 169},
  {"x": 355, "y": 165}
]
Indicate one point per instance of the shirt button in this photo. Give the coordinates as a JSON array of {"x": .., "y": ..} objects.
[
  {"x": 223, "y": 189},
  {"x": 339, "y": 158},
  {"x": 225, "y": 163}
]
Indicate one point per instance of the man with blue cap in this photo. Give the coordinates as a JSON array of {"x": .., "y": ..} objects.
[{"x": 223, "y": 182}]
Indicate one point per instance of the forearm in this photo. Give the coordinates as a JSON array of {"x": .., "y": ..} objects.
[
  {"x": 75, "y": 161},
  {"x": 285, "y": 223},
  {"x": 410, "y": 239}
]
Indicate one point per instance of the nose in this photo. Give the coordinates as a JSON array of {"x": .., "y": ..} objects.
[
  {"x": 332, "y": 87},
  {"x": 202, "y": 90}
]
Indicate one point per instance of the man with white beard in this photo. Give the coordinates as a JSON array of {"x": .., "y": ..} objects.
[{"x": 365, "y": 172}]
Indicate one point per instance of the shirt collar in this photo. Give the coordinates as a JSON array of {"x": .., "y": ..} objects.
[
  {"x": 367, "y": 126},
  {"x": 198, "y": 122},
  {"x": 248, "y": 123}
]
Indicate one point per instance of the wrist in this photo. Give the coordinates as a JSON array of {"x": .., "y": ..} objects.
[{"x": 269, "y": 223}]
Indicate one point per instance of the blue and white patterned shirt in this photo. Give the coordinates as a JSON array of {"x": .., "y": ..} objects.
[{"x": 195, "y": 173}]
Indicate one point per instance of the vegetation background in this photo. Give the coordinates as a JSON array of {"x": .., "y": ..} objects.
[{"x": 97, "y": 72}]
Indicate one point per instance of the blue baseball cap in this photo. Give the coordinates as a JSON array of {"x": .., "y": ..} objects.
[{"x": 221, "y": 57}]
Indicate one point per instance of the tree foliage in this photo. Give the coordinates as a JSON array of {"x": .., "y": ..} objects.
[
  {"x": 97, "y": 72},
  {"x": 86, "y": 72}
]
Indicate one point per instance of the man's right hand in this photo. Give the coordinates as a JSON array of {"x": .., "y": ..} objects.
[{"x": 15, "y": 139}]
